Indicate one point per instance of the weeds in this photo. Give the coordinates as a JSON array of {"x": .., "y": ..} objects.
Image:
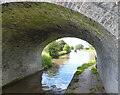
[
  {"x": 94, "y": 70},
  {"x": 92, "y": 90},
  {"x": 80, "y": 69}
]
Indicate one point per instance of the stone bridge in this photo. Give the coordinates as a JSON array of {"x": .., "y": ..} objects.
[{"x": 29, "y": 26}]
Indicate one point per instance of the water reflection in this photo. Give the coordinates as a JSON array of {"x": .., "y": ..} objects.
[{"x": 59, "y": 76}]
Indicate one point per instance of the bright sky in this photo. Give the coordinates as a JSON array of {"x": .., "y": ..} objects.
[{"x": 71, "y": 41}]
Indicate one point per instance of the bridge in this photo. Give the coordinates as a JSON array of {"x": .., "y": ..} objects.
[{"x": 29, "y": 26}]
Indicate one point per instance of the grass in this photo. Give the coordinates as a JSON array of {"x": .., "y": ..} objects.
[
  {"x": 46, "y": 60},
  {"x": 80, "y": 69},
  {"x": 62, "y": 52},
  {"x": 94, "y": 70},
  {"x": 88, "y": 50}
]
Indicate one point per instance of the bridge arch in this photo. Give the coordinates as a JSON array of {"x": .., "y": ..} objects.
[{"x": 28, "y": 27}]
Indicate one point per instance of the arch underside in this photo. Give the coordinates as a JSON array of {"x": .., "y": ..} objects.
[{"x": 29, "y": 27}]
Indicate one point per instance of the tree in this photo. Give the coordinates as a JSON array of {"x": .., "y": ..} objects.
[
  {"x": 91, "y": 47},
  {"x": 53, "y": 49},
  {"x": 72, "y": 48},
  {"x": 79, "y": 46},
  {"x": 66, "y": 48},
  {"x": 61, "y": 44},
  {"x": 46, "y": 49}
]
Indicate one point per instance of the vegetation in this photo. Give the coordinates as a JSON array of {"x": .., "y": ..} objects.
[
  {"x": 72, "y": 48},
  {"x": 94, "y": 70},
  {"x": 92, "y": 90},
  {"x": 52, "y": 49},
  {"x": 88, "y": 50},
  {"x": 80, "y": 69},
  {"x": 46, "y": 60},
  {"x": 61, "y": 44},
  {"x": 91, "y": 47},
  {"x": 97, "y": 88},
  {"x": 57, "y": 48},
  {"x": 66, "y": 48},
  {"x": 62, "y": 52},
  {"x": 79, "y": 46}
]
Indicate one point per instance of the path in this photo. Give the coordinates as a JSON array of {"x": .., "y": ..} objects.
[{"x": 86, "y": 83}]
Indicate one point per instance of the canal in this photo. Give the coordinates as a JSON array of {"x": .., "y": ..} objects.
[{"x": 55, "y": 79}]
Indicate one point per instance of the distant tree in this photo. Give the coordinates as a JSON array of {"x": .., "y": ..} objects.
[
  {"x": 53, "y": 49},
  {"x": 79, "y": 46},
  {"x": 66, "y": 48},
  {"x": 87, "y": 48},
  {"x": 91, "y": 47},
  {"x": 61, "y": 44},
  {"x": 72, "y": 48}
]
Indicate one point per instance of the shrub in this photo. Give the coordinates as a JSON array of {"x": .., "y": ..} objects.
[{"x": 46, "y": 60}]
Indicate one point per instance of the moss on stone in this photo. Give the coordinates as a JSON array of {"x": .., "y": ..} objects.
[{"x": 22, "y": 16}]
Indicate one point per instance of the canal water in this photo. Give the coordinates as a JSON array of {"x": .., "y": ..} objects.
[{"x": 55, "y": 79}]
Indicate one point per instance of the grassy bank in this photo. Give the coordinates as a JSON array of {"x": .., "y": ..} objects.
[
  {"x": 62, "y": 53},
  {"x": 89, "y": 50},
  {"x": 46, "y": 60},
  {"x": 80, "y": 69}
]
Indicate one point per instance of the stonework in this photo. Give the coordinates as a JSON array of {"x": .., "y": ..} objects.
[
  {"x": 96, "y": 23},
  {"x": 106, "y": 13}
]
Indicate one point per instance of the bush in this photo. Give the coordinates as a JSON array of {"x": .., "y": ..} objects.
[
  {"x": 94, "y": 70},
  {"x": 80, "y": 69},
  {"x": 46, "y": 60}
]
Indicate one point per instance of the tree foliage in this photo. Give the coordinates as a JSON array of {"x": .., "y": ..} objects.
[
  {"x": 61, "y": 44},
  {"x": 91, "y": 47},
  {"x": 79, "y": 46},
  {"x": 72, "y": 48},
  {"x": 66, "y": 48},
  {"x": 53, "y": 49}
]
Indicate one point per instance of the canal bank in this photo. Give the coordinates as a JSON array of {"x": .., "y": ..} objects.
[{"x": 86, "y": 83}]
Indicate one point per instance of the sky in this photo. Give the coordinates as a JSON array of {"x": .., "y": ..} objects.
[{"x": 71, "y": 41}]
